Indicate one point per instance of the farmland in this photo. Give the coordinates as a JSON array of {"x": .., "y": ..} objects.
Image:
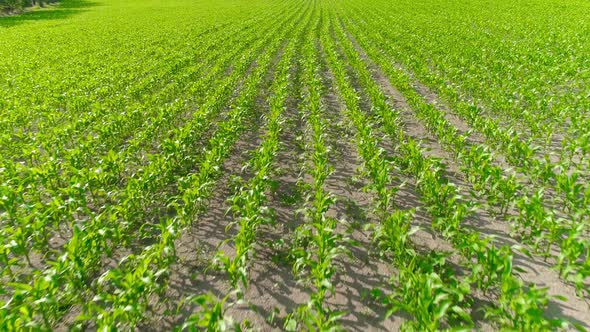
[{"x": 295, "y": 165}]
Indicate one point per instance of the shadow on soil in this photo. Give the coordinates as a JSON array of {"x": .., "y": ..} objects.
[{"x": 62, "y": 10}]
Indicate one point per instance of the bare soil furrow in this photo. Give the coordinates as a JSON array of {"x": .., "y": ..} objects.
[{"x": 362, "y": 271}]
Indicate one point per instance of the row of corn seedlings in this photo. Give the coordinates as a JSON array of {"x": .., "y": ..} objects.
[
  {"x": 27, "y": 200},
  {"x": 316, "y": 243},
  {"x": 249, "y": 202},
  {"x": 81, "y": 258},
  {"x": 541, "y": 227},
  {"x": 120, "y": 287},
  {"x": 489, "y": 266},
  {"x": 424, "y": 285}
]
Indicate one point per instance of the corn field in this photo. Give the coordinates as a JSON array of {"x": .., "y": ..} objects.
[{"x": 295, "y": 165}]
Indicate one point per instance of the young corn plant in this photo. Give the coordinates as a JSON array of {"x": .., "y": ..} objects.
[
  {"x": 249, "y": 203},
  {"x": 212, "y": 316},
  {"x": 492, "y": 266},
  {"x": 427, "y": 304},
  {"x": 519, "y": 153},
  {"x": 316, "y": 243},
  {"x": 221, "y": 146}
]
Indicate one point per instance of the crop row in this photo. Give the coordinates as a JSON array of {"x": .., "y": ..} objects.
[
  {"x": 82, "y": 256},
  {"x": 490, "y": 266},
  {"x": 536, "y": 223}
]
